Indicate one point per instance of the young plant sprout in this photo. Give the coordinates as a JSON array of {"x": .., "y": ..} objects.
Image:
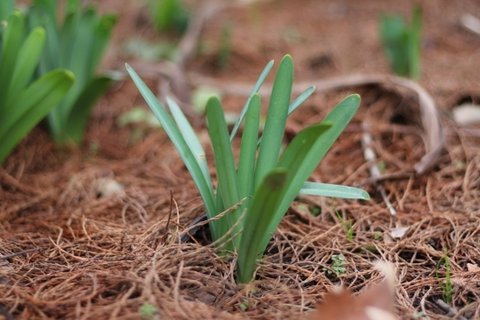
[
  {"x": 25, "y": 99},
  {"x": 402, "y": 42},
  {"x": 168, "y": 15},
  {"x": 253, "y": 193},
  {"x": 77, "y": 43}
]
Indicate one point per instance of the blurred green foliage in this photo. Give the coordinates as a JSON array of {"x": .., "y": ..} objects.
[{"x": 402, "y": 42}]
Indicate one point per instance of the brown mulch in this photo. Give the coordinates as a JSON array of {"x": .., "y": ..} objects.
[{"x": 67, "y": 250}]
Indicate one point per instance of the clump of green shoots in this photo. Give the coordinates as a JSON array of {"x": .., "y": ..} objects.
[
  {"x": 168, "y": 15},
  {"x": 76, "y": 42},
  {"x": 402, "y": 43},
  {"x": 25, "y": 99},
  {"x": 253, "y": 192}
]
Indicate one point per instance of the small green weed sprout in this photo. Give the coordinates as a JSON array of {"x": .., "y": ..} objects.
[
  {"x": 338, "y": 264},
  {"x": 402, "y": 43},
  {"x": 347, "y": 225},
  {"x": 25, "y": 99},
  {"x": 147, "y": 311},
  {"x": 253, "y": 194},
  {"x": 168, "y": 15},
  {"x": 76, "y": 43},
  {"x": 447, "y": 285}
]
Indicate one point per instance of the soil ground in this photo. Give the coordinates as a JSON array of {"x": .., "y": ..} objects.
[{"x": 68, "y": 251}]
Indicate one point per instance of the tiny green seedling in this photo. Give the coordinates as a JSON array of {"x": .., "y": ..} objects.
[
  {"x": 25, "y": 99},
  {"x": 347, "y": 226},
  {"x": 402, "y": 42},
  {"x": 338, "y": 264},
  {"x": 147, "y": 311},
  {"x": 447, "y": 285},
  {"x": 253, "y": 192}
]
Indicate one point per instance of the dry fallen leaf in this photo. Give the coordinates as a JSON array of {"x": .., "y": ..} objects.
[
  {"x": 398, "y": 232},
  {"x": 473, "y": 267},
  {"x": 107, "y": 187},
  {"x": 374, "y": 303}
]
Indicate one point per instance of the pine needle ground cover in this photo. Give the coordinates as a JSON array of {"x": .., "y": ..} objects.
[{"x": 69, "y": 251}]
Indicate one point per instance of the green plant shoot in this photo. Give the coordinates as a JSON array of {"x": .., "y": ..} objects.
[
  {"x": 402, "y": 43},
  {"x": 254, "y": 192},
  {"x": 77, "y": 42},
  {"x": 168, "y": 15},
  {"x": 25, "y": 99}
]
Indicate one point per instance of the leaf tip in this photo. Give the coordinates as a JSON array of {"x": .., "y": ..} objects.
[
  {"x": 366, "y": 196},
  {"x": 356, "y": 96},
  {"x": 69, "y": 75},
  {"x": 287, "y": 59}
]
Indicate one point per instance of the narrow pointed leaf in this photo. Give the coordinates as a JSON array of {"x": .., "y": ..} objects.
[
  {"x": 276, "y": 119},
  {"x": 190, "y": 138},
  {"x": 79, "y": 115},
  {"x": 33, "y": 105},
  {"x": 414, "y": 43},
  {"x": 258, "y": 218},
  {"x": 12, "y": 42},
  {"x": 103, "y": 33},
  {"x": 301, "y": 99},
  {"x": 27, "y": 61},
  {"x": 255, "y": 90},
  {"x": 224, "y": 162},
  {"x": 333, "y": 190},
  {"x": 182, "y": 147},
  {"x": 248, "y": 149}
]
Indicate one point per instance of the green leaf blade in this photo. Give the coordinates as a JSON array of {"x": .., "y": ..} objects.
[
  {"x": 276, "y": 120},
  {"x": 179, "y": 142},
  {"x": 6, "y": 9},
  {"x": 248, "y": 149},
  {"x": 27, "y": 61},
  {"x": 12, "y": 41},
  {"x": 190, "y": 138},
  {"x": 256, "y": 88},
  {"x": 268, "y": 206},
  {"x": 309, "y": 147},
  {"x": 33, "y": 105},
  {"x": 77, "y": 119},
  {"x": 258, "y": 220},
  {"x": 225, "y": 164},
  {"x": 333, "y": 190},
  {"x": 301, "y": 99}
]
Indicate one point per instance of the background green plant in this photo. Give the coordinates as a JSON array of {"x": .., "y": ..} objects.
[
  {"x": 76, "y": 42},
  {"x": 402, "y": 42},
  {"x": 168, "y": 15},
  {"x": 253, "y": 194},
  {"x": 6, "y": 9},
  {"x": 25, "y": 98}
]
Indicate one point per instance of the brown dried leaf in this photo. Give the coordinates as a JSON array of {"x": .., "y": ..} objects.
[
  {"x": 473, "y": 267},
  {"x": 374, "y": 303}
]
